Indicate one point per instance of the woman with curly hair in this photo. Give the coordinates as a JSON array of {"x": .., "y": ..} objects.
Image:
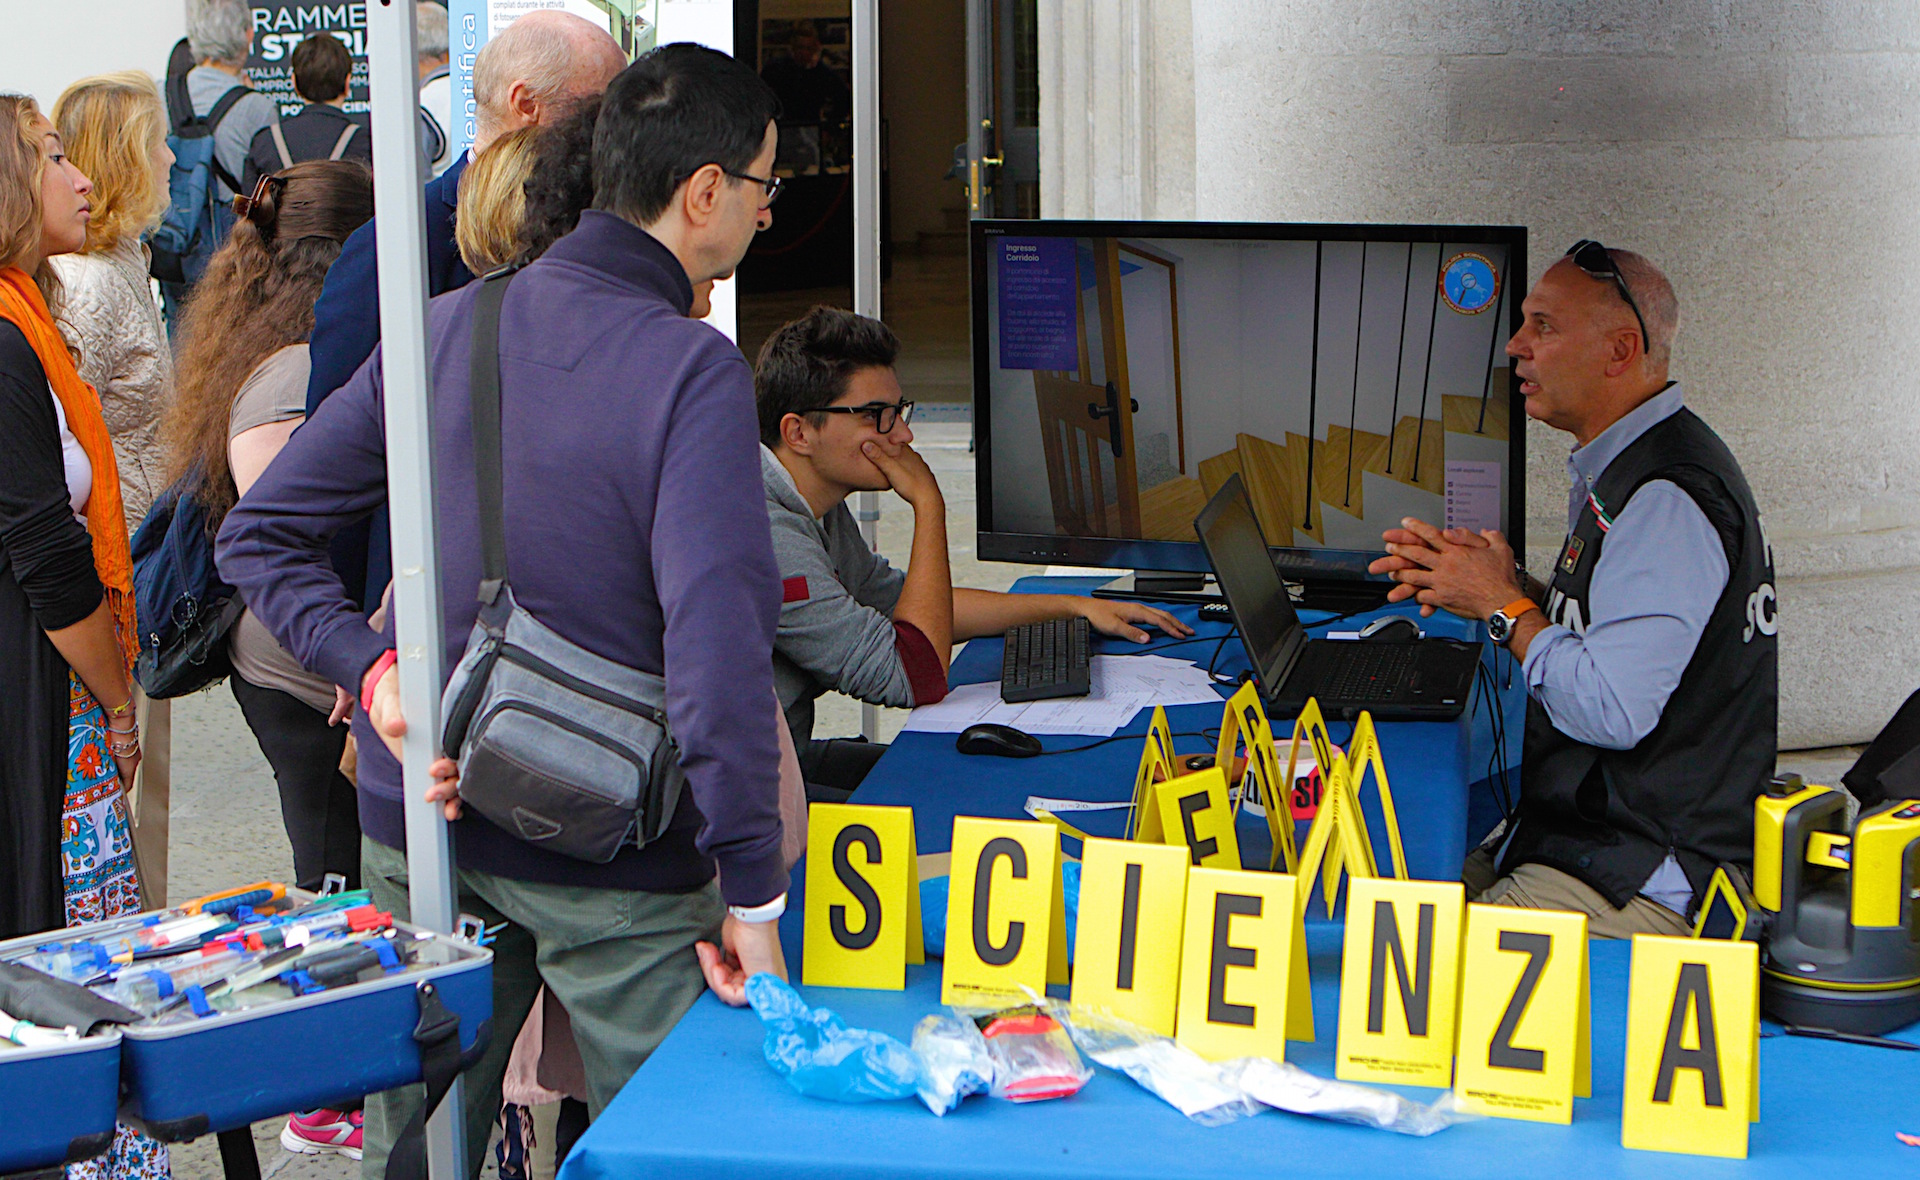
[
  {"x": 115, "y": 130},
  {"x": 69, "y": 745},
  {"x": 241, "y": 391}
]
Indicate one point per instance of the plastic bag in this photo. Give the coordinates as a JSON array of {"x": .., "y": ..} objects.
[
  {"x": 1033, "y": 1057},
  {"x": 821, "y": 1057},
  {"x": 954, "y": 1061},
  {"x": 1216, "y": 1093}
]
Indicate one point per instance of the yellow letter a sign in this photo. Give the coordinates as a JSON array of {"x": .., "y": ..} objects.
[
  {"x": 1397, "y": 981},
  {"x": 1126, "y": 946},
  {"x": 1006, "y": 914},
  {"x": 1693, "y": 1031},
  {"x": 1524, "y": 1021},
  {"x": 863, "y": 897}
]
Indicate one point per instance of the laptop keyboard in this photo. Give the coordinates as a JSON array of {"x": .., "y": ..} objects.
[
  {"x": 1050, "y": 659},
  {"x": 1367, "y": 672}
]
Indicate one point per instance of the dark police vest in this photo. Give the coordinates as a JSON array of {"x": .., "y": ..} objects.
[{"x": 1611, "y": 817}]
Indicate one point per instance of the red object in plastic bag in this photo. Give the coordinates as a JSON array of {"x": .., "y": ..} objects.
[{"x": 1033, "y": 1057}]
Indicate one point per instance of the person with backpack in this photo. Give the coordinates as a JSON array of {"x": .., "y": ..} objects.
[
  {"x": 323, "y": 130},
  {"x": 215, "y": 117},
  {"x": 624, "y": 433},
  {"x": 69, "y": 742}
]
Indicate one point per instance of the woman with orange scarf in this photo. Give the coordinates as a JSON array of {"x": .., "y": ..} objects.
[{"x": 68, "y": 742}]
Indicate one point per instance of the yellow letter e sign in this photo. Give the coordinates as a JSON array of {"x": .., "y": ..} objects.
[
  {"x": 1398, "y": 976},
  {"x": 1126, "y": 947},
  {"x": 1525, "y": 1028},
  {"x": 1006, "y": 914},
  {"x": 863, "y": 897},
  {"x": 1693, "y": 1028},
  {"x": 1236, "y": 963}
]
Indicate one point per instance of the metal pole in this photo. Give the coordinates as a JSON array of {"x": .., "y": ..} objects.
[
  {"x": 866, "y": 234},
  {"x": 401, "y": 257}
]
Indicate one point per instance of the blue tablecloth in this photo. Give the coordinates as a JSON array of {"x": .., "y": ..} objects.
[
  {"x": 707, "y": 1107},
  {"x": 707, "y": 1104}
]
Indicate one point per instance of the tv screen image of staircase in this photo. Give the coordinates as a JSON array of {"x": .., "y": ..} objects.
[{"x": 1350, "y": 383}]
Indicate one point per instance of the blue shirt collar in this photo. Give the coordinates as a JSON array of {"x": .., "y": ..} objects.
[{"x": 1588, "y": 462}]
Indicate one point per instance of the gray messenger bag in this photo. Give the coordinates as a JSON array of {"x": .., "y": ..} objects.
[{"x": 564, "y": 749}]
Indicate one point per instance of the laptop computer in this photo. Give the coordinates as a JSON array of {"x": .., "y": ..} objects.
[{"x": 1417, "y": 680}]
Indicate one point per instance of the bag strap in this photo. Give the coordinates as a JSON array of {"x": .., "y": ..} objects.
[
  {"x": 484, "y": 377},
  {"x": 438, "y": 1035},
  {"x": 280, "y": 144},
  {"x": 340, "y": 145},
  {"x": 227, "y": 102}
]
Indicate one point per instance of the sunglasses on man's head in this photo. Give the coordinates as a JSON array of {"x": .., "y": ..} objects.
[{"x": 1592, "y": 258}]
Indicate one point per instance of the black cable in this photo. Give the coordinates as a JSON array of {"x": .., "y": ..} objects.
[{"x": 1211, "y": 735}]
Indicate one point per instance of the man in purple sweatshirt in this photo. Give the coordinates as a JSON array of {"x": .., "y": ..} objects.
[{"x": 635, "y": 527}]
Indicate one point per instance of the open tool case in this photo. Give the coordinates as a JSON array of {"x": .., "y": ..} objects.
[
  {"x": 60, "y": 1101},
  {"x": 222, "y": 1071}
]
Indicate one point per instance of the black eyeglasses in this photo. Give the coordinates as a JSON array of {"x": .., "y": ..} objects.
[
  {"x": 1592, "y": 258},
  {"x": 772, "y": 184},
  {"x": 885, "y": 415}
]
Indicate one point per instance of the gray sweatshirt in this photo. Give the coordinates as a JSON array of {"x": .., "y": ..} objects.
[{"x": 837, "y": 631}]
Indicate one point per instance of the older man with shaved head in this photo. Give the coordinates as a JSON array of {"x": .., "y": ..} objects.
[
  {"x": 1649, "y": 654},
  {"x": 536, "y": 68}
]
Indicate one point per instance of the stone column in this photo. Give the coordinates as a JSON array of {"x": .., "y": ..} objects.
[{"x": 1765, "y": 154}]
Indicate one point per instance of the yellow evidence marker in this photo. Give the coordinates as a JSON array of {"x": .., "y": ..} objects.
[
  {"x": 1693, "y": 1040},
  {"x": 1236, "y": 963},
  {"x": 863, "y": 897},
  {"x": 1525, "y": 1019},
  {"x": 1126, "y": 944},
  {"x": 1399, "y": 974},
  {"x": 1006, "y": 913},
  {"x": 1194, "y": 810},
  {"x": 1156, "y": 766}
]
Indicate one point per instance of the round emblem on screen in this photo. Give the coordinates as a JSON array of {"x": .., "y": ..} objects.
[{"x": 1469, "y": 283}]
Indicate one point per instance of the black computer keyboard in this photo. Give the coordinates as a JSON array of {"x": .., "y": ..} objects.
[
  {"x": 1368, "y": 671},
  {"x": 1044, "y": 660}
]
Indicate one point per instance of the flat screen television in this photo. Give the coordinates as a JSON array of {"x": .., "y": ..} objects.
[{"x": 1351, "y": 374}]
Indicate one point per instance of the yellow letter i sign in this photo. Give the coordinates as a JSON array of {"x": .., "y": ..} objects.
[
  {"x": 1693, "y": 1035},
  {"x": 863, "y": 897}
]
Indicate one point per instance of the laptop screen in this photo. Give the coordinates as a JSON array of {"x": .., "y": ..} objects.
[{"x": 1237, "y": 550}]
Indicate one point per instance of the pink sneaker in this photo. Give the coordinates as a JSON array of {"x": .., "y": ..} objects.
[{"x": 317, "y": 1132}]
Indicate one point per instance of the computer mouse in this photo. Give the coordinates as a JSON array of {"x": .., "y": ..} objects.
[
  {"x": 1004, "y": 740},
  {"x": 1391, "y": 629}
]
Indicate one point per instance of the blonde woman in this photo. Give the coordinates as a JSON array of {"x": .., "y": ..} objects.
[
  {"x": 489, "y": 220},
  {"x": 115, "y": 130},
  {"x": 69, "y": 745}
]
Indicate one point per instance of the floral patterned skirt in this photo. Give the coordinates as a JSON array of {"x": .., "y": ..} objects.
[{"x": 96, "y": 860}]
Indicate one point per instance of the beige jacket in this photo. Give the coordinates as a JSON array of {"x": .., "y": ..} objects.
[{"x": 110, "y": 318}]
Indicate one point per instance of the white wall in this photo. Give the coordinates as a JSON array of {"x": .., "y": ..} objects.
[
  {"x": 1765, "y": 153},
  {"x": 51, "y": 43}
]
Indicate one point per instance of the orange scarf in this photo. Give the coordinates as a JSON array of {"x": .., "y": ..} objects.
[{"x": 22, "y": 303}]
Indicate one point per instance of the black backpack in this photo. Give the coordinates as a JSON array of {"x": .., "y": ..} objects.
[{"x": 184, "y": 607}]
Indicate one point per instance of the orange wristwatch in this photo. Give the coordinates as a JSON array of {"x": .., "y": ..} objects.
[{"x": 1500, "y": 626}]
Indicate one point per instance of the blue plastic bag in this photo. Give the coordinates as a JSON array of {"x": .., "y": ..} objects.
[{"x": 821, "y": 1057}]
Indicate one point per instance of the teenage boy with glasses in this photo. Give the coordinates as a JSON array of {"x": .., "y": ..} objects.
[{"x": 833, "y": 422}]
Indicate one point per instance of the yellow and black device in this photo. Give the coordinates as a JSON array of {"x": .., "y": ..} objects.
[{"x": 1840, "y": 906}]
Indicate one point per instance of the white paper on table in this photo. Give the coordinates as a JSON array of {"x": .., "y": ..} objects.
[{"x": 1122, "y": 686}]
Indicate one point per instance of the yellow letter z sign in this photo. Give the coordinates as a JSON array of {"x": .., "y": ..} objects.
[
  {"x": 1006, "y": 914},
  {"x": 1236, "y": 963},
  {"x": 1524, "y": 1021},
  {"x": 1126, "y": 947},
  {"x": 863, "y": 897},
  {"x": 1693, "y": 1035},
  {"x": 1398, "y": 977}
]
